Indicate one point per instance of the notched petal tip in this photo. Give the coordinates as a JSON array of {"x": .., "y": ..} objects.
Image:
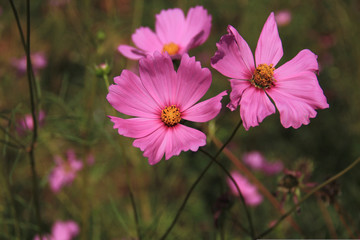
[{"x": 220, "y": 54}]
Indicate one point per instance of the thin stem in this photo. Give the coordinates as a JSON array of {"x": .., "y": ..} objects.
[
  {"x": 248, "y": 215},
  {"x": 30, "y": 74},
  {"x": 12, "y": 137},
  {"x": 13, "y": 145},
  {"x": 197, "y": 181},
  {"x": 135, "y": 213},
  {"x": 309, "y": 194},
  {"x": 22, "y": 37},
  {"x": 106, "y": 79}
]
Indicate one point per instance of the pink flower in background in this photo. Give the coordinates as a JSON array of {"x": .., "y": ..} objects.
[
  {"x": 293, "y": 87},
  {"x": 283, "y": 17},
  {"x": 257, "y": 161},
  {"x": 159, "y": 99},
  {"x": 38, "y": 61},
  {"x": 27, "y": 124},
  {"x": 174, "y": 34},
  {"x": 64, "y": 172},
  {"x": 65, "y": 230},
  {"x": 251, "y": 195}
]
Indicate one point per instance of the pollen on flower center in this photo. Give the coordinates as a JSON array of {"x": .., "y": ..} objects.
[
  {"x": 263, "y": 76},
  {"x": 171, "y": 115},
  {"x": 171, "y": 48}
]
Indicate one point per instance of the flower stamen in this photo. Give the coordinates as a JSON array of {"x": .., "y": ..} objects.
[
  {"x": 171, "y": 48},
  {"x": 171, "y": 116},
  {"x": 263, "y": 76}
]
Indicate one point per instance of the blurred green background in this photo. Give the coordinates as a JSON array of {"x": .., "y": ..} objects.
[{"x": 75, "y": 36}]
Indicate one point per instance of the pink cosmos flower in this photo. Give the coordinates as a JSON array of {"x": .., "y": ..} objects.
[
  {"x": 174, "y": 34},
  {"x": 65, "y": 230},
  {"x": 293, "y": 87},
  {"x": 64, "y": 172},
  {"x": 257, "y": 161},
  {"x": 27, "y": 124},
  {"x": 283, "y": 17},
  {"x": 159, "y": 99},
  {"x": 38, "y": 61},
  {"x": 251, "y": 195}
]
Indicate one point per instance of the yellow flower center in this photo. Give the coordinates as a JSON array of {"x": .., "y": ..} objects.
[
  {"x": 171, "y": 48},
  {"x": 263, "y": 76},
  {"x": 171, "y": 116}
]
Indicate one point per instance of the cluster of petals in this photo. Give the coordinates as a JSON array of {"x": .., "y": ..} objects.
[
  {"x": 27, "y": 124},
  {"x": 38, "y": 61},
  {"x": 158, "y": 87},
  {"x": 294, "y": 88},
  {"x": 172, "y": 29},
  {"x": 251, "y": 195},
  {"x": 62, "y": 230},
  {"x": 257, "y": 161},
  {"x": 64, "y": 172}
]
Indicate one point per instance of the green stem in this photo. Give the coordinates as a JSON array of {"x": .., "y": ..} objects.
[
  {"x": 26, "y": 47},
  {"x": 135, "y": 213},
  {"x": 314, "y": 190},
  {"x": 247, "y": 212},
  {"x": 196, "y": 182},
  {"x": 30, "y": 76}
]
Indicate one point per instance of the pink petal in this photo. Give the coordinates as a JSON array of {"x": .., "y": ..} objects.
[
  {"x": 169, "y": 25},
  {"x": 271, "y": 168},
  {"x": 136, "y": 127},
  {"x": 73, "y": 228},
  {"x": 192, "y": 82},
  {"x": 249, "y": 191},
  {"x": 305, "y": 60},
  {"x": 153, "y": 145},
  {"x": 269, "y": 48},
  {"x": 255, "y": 105},
  {"x": 169, "y": 141},
  {"x": 233, "y": 57},
  {"x": 297, "y": 92},
  {"x": 204, "y": 111},
  {"x": 197, "y": 27},
  {"x": 255, "y": 160},
  {"x": 145, "y": 39},
  {"x": 183, "y": 138},
  {"x": 159, "y": 78},
  {"x": 131, "y": 52},
  {"x": 237, "y": 89},
  {"x": 129, "y": 96}
]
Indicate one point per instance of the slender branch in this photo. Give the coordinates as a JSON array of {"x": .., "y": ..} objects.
[
  {"x": 197, "y": 181},
  {"x": 251, "y": 226},
  {"x": 309, "y": 194}
]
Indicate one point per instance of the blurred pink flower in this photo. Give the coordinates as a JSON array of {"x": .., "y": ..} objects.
[
  {"x": 38, "y": 61},
  {"x": 159, "y": 99},
  {"x": 283, "y": 17},
  {"x": 293, "y": 87},
  {"x": 27, "y": 124},
  {"x": 64, "y": 172},
  {"x": 257, "y": 161},
  {"x": 65, "y": 230},
  {"x": 174, "y": 34},
  {"x": 251, "y": 195}
]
